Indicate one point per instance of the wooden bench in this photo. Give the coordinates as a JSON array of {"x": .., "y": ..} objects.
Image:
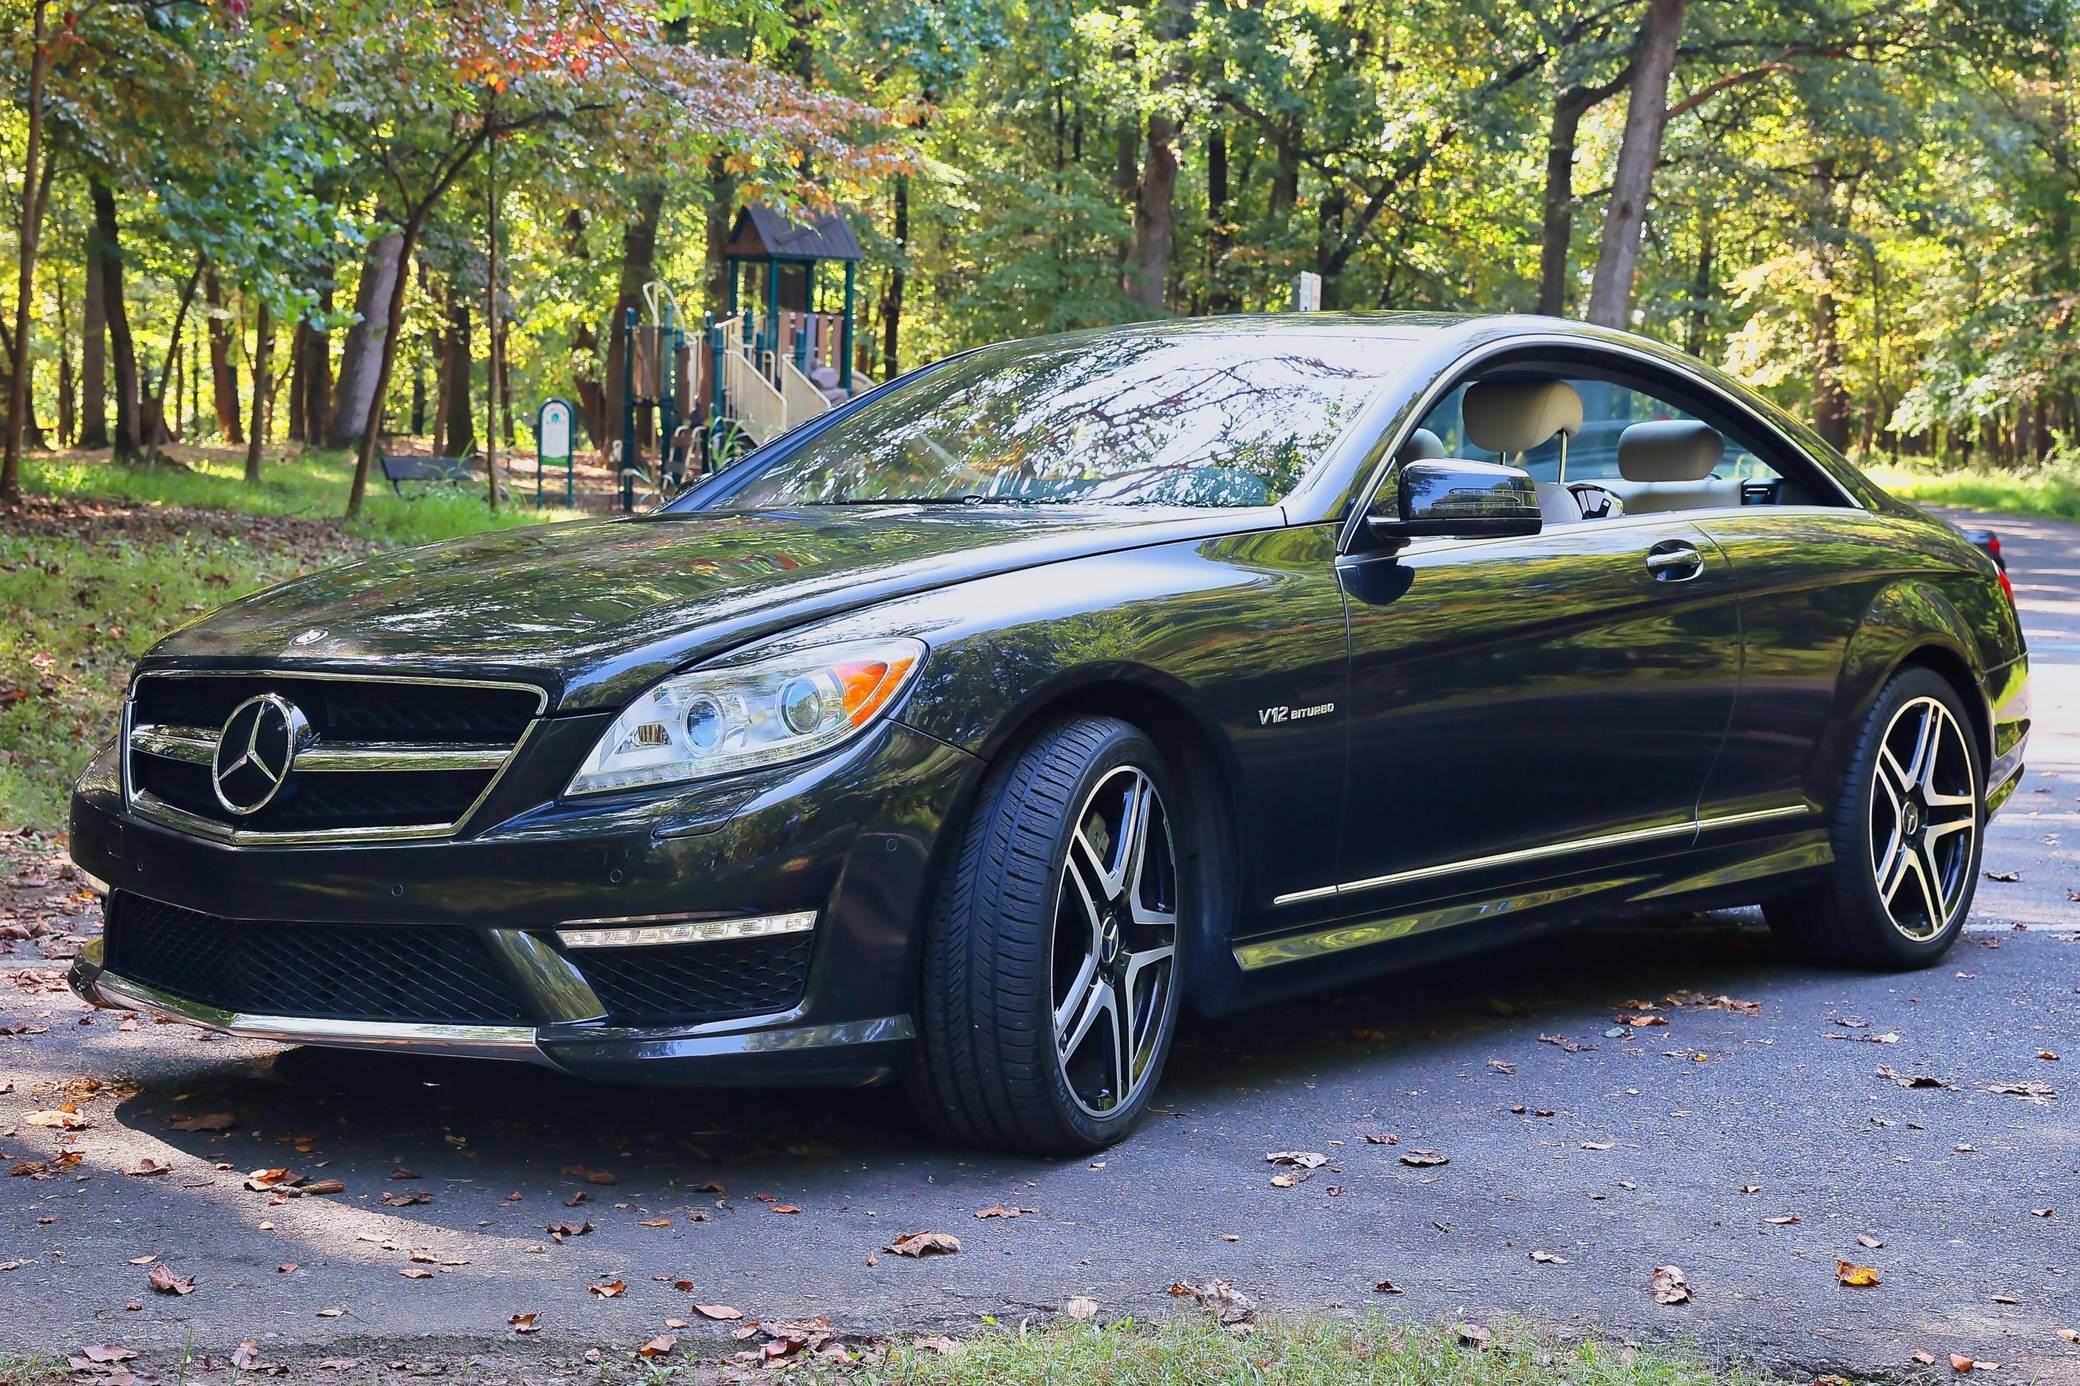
[{"x": 449, "y": 471}]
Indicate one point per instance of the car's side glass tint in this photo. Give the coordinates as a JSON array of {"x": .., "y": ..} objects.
[{"x": 1633, "y": 452}]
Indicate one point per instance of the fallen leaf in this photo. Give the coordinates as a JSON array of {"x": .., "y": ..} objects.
[
  {"x": 1283, "y": 1181},
  {"x": 65, "y": 1118},
  {"x": 1387, "y": 1287},
  {"x": 1914, "y": 1080},
  {"x": 415, "y": 1272},
  {"x": 204, "y": 1121},
  {"x": 2042, "y": 1094},
  {"x": 1868, "y": 1242},
  {"x": 1669, "y": 1286},
  {"x": 1300, "y": 1159},
  {"x": 1922, "y": 1356},
  {"x": 654, "y": 1222},
  {"x": 924, "y": 1244},
  {"x": 1997, "y": 876},
  {"x": 1228, "y": 1305},
  {"x": 560, "y": 1230},
  {"x": 1958, "y": 1361},
  {"x": 2071, "y": 1335},
  {"x": 1547, "y": 1258},
  {"x": 107, "y": 1352},
  {"x": 1422, "y": 1159},
  {"x": 1599, "y": 1145},
  {"x": 591, "y": 1176},
  {"x": 944, "y": 1346},
  {"x": 146, "y": 1166},
  {"x": 524, "y": 1323},
  {"x": 1784, "y": 1221},
  {"x": 782, "y": 1208},
  {"x": 402, "y": 1173},
  {"x": 1849, "y": 1273},
  {"x": 608, "y": 1289},
  {"x": 406, "y": 1200},
  {"x": 335, "y": 1313},
  {"x": 1382, "y": 1138},
  {"x": 660, "y": 1346},
  {"x": 718, "y": 1312},
  {"x": 998, "y": 1210},
  {"x": 246, "y": 1356},
  {"x": 167, "y": 1283},
  {"x": 1563, "y": 1042},
  {"x": 1502, "y": 1066},
  {"x": 2040, "y": 1212},
  {"x": 1081, "y": 1307},
  {"x": 1472, "y": 1335}
]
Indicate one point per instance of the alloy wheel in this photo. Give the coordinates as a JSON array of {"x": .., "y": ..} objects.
[
  {"x": 1115, "y": 942},
  {"x": 1924, "y": 818}
]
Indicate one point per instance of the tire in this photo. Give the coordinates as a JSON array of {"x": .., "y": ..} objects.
[
  {"x": 1899, "y": 824},
  {"x": 1041, "y": 907}
]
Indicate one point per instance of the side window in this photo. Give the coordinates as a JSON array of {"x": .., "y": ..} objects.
[{"x": 1635, "y": 453}]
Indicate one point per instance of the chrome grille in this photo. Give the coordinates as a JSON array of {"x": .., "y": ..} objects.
[{"x": 377, "y": 757}]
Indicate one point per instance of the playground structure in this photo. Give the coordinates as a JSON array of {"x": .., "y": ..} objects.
[{"x": 759, "y": 370}]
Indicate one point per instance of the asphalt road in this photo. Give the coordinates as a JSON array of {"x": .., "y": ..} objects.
[{"x": 1689, "y": 1144}]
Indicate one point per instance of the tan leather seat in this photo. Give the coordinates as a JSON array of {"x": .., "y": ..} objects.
[
  {"x": 1666, "y": 464},
  {"x": 1514, "y": 416}
]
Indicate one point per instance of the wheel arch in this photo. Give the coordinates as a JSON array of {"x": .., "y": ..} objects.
[
  {"x": 1908, "y": 623},
  {"x": 1198, "y": 755}
]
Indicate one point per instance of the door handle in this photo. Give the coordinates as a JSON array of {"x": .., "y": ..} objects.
[{"x": 1672, "y": 560}]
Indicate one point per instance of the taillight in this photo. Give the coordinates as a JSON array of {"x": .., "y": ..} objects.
[
  {"x": 1993, "y": 547},
  {"x": 2007, "y": 587}
]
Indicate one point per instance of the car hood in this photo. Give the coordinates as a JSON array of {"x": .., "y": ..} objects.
[{"x": 596, "y": 610}]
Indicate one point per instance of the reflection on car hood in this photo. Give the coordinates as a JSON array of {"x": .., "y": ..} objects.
[{"x": 598, "y": 609}]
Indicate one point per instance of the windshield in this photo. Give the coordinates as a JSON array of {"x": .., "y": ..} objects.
[{"x": 1177, "y": 417}]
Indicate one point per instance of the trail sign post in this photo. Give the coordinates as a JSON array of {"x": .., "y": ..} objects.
[
  {"x": 1307, "y": 292},
  {"x": 552, "y": 444}
]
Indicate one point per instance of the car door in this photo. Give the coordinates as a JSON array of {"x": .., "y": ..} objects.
[{"x": 1523, "y": 707}]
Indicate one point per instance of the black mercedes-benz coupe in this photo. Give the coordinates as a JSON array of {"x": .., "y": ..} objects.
[{"x": 966, "y": 733}]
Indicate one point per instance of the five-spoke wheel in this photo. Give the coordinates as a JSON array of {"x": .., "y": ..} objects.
[
  {"x": 1924, "y": 817},
  {"x": 1115, "y": 941}
]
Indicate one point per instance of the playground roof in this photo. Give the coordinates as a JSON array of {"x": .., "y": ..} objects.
[{"x": 761, "y": 233}]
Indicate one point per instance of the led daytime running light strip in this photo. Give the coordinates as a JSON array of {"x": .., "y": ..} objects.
[{"x": 618, "y": 933}]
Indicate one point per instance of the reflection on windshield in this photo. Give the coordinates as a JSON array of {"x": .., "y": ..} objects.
[{"x": 1176, "y": 417}]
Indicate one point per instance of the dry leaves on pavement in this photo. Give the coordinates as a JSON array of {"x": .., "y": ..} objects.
[
  {"x": 1081, "y": 1307},
  {"x": 1668, "y": 1285},
  {"x": 1860, "y": 1277},
  {"x": 925, "y": 1244},
  {"x": 1230, "y": 1307},
  {"x": 166, "y": 1282}
]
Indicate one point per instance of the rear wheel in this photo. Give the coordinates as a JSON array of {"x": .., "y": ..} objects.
[
  {"x": 1906, "y": 836},
  {"x": 1051, "y": 963}
]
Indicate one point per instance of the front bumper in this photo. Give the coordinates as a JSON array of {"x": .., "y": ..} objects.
[{"x": 853, "y": 837}]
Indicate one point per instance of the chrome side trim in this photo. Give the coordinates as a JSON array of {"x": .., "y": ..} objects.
[
  {"x": 1549, "y": 849},
  {"x": 469, "y": 1041},
  {"x": 1315, "y": 943}
]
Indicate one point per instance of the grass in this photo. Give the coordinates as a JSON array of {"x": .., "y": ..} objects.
[
  {"x": 107, "y": 559},
  {"x": 1190, "y": 1350},
  {"x": 2047, "y": 491}
]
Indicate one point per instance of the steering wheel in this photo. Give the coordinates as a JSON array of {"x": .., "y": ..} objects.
[{"x": 1596, "y": 502}]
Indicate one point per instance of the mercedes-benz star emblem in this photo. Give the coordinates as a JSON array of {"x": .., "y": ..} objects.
[{"x": 255, "y": 751}]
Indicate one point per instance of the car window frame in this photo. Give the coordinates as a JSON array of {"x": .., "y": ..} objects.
[{"x": 1618, "y": 363}]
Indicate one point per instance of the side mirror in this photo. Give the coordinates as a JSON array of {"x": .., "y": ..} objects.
[{"x": 1459, "y": 498}]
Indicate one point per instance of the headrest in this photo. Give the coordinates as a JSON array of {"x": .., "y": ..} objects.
[
  {"x": 1669, "y": 450},
  {"x": 1421, "y": 446},
  {"x": 1518, "y": 415}
]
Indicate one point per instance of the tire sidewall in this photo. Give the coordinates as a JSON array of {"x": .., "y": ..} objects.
[{"x": 1124, "y": 746}]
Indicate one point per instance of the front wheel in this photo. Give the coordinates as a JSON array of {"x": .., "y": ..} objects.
[
  {"x": 1051, "y": 968},
  {"x": 1906, "y": 836}
]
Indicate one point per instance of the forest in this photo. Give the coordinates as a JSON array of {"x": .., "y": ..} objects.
[{"x": 269, "y": 225}]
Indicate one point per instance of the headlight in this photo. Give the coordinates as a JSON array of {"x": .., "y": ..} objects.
[{"x": 720, "y": 720}]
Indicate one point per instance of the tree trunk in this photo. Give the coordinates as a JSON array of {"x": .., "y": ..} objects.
[
  {"x": 366, "y": 341},
  {"x": 1703, "y": 285},
  {"x": 638, "y": 267},
  {"x": 1220, "y": 293},
  {"x": 892, "y": 301},
  {"x": 152, "y": 407},
  {"x": 223, "y": 379},
  {"x": 493, "y": 338},
  {"x": 122, "y": 346},
  {"x": 263, "y": 356},
  {"x": 1155, "y": 216},
  {"x": 35, "y": 189},
  {"x": 1646, "y": 117},
  {"x": 317, "y": 368},
  {"x": 93, "y": 351},
  {"x": 68, "y": 414},
  {"x": 299, "y": 388},
  {"x": 458, "y": 427},
  {"x": 1556, "y": 233},
  {"x": 722, "y": 201}
]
